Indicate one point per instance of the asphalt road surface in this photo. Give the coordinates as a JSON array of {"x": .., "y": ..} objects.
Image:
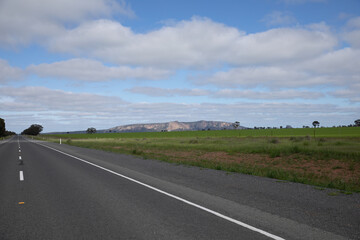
[{"x": 53, "y": 191}]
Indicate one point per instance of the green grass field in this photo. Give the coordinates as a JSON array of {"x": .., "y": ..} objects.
[
  {"x": 331, "y": 159},
  {"x": 292, "y": 132}
]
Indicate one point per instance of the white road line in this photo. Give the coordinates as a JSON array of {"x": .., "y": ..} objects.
[
  {"x": 21, "y": 176},
  {"x": 19, "y": 157},
  {"x": 19, "y": 150},
  {"x": 177, "y": 198}
]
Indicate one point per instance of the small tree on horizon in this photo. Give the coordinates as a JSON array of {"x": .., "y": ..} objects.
[
  {"x": 315, "y": 124},
  {"x": 91, "y": 130},
  {"x": 357, "y": 123}
]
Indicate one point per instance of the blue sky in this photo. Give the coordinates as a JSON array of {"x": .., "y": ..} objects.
[{"x": 102, "y": 63}]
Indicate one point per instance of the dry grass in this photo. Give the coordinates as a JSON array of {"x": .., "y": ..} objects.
[{"x": 325, "y": 162}]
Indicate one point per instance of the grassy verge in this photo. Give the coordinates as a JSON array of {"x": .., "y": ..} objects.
[{"x": 325, "y": 162}]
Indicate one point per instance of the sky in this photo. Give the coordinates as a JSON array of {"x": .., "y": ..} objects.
[{"x": 70, "y": 65}]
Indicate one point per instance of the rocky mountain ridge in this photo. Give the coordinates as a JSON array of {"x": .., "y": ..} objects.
[{"x": 175, "y": 126}]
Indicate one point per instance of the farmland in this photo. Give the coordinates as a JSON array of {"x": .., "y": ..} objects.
[{"x": 331, "y": 158}]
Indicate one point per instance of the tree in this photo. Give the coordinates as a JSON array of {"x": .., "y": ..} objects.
[
  {"x": 357, "y": 122},
  {"x": 9, "y": 133},
  {"x": 315, "y": 124},
  {"x": 91, "y": 130},
  {"x": 236, "y": 124},
  {"x": 33, "y": 130},
  {"x": 2, "y": 127}
]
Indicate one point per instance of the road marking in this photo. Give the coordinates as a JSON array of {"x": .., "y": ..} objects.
[
  {"x": 270, "y": 235},
  {"x": 19, "y": 150},
  {"x": 21, "y": 176},
  {"x": 21, "y": 202},
  {"x": 19, "y": 157}
]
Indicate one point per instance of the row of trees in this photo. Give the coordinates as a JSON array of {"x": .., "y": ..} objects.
[
  {"x": 316, "y": 124},
  {"x": 3, "y": 131}
]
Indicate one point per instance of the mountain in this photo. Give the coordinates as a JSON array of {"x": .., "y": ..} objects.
[{"x": 174, "y": 126}]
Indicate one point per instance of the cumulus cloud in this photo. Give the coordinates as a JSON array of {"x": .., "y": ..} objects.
[
  {"x": 227, "y": 93},
  {"x": 9, "y": 73},
  {"x": 276, "y": 18},
  {"x": 199, "y": 42},
  {"x": 166, "y": 92},
  {"x": 188, "y": 43},
  {"x": 340, "y": 62},
  {"x": 56, "y": 109},
  {"x": 351, "y": 93},
  {"x": 33, "y": 99},
  {"x": 340, "y": 68},
  {"x": 250, "y": 77},
  {"x": 268, "y": 95},
  {"x": 22, "y": 22},
  {"x": 352, "y": 33},
  {"x": 92, "y": 70}
]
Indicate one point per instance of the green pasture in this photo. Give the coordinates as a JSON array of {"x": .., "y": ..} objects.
[
  {"x": 292, "y": 132},
  {"x": 285, "y": 154}
]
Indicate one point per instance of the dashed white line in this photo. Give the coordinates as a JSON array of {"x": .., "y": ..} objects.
[
  {"x": 270, "y": 235},
  {"x": 19, "y": 157},
  {"x": 21, "y": 176}
]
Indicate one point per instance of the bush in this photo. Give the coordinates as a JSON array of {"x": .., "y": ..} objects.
[
  {"x": 274, "y": 141},
  {"x": 33, "y": 130}
]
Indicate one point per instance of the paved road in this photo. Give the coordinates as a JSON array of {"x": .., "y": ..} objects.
[{"x": 52, "y": 191}]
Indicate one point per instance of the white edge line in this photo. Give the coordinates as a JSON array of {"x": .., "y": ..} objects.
[
  {"x": 21, "y": 176},
  {"x": 176, "y": 197}
]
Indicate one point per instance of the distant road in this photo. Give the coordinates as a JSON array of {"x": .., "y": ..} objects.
[{"x": 52, "y": 191}]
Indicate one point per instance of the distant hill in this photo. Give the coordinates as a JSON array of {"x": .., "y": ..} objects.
[
  {"x": 175, "y": 126},
  {"x": 158, "y": 127}
]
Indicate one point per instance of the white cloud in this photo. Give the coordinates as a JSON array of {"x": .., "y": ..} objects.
[
  {"x": 249, "y": 77},
  {"x": 166, "y": 92},
  {"x": 339, "y": 68},
  {"x": 91, "y": 70},
  {"x": 228, "y": 93},
  {"x": 268, "y": 95},
  {"x": 199, "y": 42},
  {"x": 59, "y": 110},
  {"x": 33, "y": 99},
  {"x": 354, "y": 22},
  {"x": 22, "y": 22},
  {"x": 9, "y": 73},
  {"x": 189, "y": 43},
  {"x": 351, "y": 93},
  {"x": 352, "y": 32},
  {"x": 353, "y": 38},
  {"x": 344, "y": 62},
  {"x": 276, "y": 18}
]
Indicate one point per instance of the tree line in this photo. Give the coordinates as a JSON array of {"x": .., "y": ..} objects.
[
  {"x": 34, "y": 129},
  {"x": 3, "y": 131}
]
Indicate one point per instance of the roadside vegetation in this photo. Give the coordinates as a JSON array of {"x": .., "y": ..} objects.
[{"x": 332, "y": 159}]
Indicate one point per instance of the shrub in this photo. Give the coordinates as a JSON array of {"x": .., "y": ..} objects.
[{"x": 274, "y": 141}]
